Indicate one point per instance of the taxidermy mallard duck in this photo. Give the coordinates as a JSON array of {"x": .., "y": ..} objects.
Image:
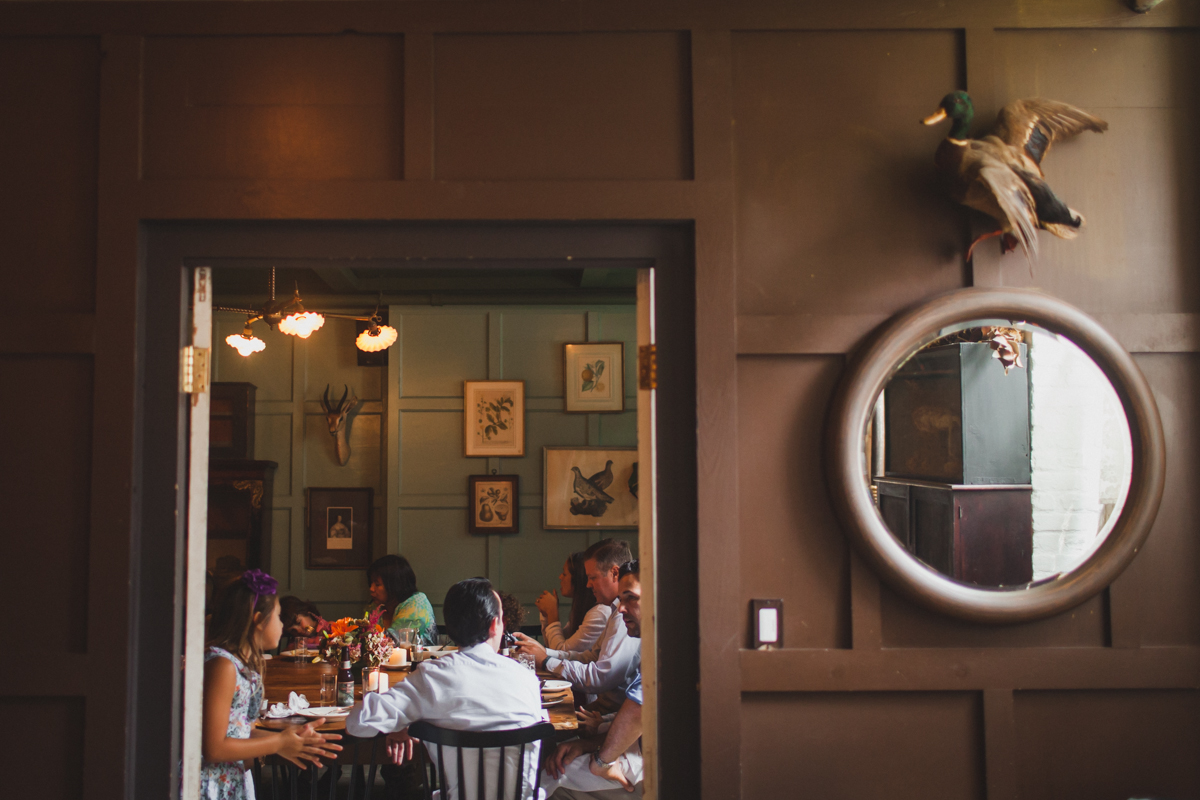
[{"x": 1001, "y": 173}]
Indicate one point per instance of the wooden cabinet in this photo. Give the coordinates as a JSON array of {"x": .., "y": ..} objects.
[
  {"x": 976, "y": 534},
  {"x": 239, "y": 515},
  {"x": 231, "y": 421}
]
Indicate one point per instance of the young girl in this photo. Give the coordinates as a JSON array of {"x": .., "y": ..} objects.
[
  {"x": 588, "y": 618},
  {"x": 245, "y": 622}
]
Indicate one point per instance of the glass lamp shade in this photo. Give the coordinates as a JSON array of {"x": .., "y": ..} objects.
[
  {"x": 302, "y": 324},
  {"x": 374, "y": 340},
  {"x": 245, "y": 344}
]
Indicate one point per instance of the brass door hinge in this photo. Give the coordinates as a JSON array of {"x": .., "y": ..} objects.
[
  {"x": 193, "y": 370},
  {"x": 647, "y": 367}
]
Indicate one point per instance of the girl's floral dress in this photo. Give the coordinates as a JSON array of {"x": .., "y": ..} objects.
[{"x": 229, "y": 780}]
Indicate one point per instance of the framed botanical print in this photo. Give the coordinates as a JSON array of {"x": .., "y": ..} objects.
[
  {"x": 493, "y": 501},
  {"x": 594, "y": 373},
  {"x": 339, "y": 528},
  {"x": 585, "y": 488},
  {"x": 494, "y": 418}
]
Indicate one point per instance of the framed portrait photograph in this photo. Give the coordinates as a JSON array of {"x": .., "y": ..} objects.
[
  {"x": 493, "y": 503},
  {"x": 338, "y": 522},
  {"x": 594, "y": 373},
  {"x": 494, "y": 418},
  {"x": 590, "y": 487}
]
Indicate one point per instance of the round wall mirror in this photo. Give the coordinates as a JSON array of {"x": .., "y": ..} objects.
[{"x": 995, "y": 455}]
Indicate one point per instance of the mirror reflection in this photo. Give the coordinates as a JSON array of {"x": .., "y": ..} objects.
[{"x": 999, "y": 454}]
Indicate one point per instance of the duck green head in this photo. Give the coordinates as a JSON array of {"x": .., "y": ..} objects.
[{"x": 957, "y": 106}]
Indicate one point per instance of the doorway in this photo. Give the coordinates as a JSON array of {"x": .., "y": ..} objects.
[{"x": 485, "y": 251}]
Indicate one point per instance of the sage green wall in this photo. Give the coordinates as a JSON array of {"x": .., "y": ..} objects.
[
  {"x": 439, "y": 348},
  {"x": 407, "y": 442}
]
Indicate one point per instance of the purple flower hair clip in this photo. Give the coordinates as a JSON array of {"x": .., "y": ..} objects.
[{"x": 260, "y": 583}]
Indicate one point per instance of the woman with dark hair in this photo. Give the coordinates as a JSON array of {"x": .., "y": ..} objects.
[
  {"x": 588, "y": 618},
  {"x": 393, "y": 585}
]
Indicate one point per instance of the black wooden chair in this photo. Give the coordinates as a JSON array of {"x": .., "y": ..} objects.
[{"x": 482, "y": 741}]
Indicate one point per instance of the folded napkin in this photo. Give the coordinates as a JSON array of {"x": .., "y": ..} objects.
[{"x": 295, "y": 704}]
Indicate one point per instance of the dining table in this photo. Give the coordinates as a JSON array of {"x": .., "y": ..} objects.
[{"x": 284, "y": 674}]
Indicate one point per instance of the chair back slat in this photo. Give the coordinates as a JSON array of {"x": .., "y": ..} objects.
[
  {"x": 462, "y": 781},
  {"x": 484, "y": 740},
  {"x": 500, "y": 780}
]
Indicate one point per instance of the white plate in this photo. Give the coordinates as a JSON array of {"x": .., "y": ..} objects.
[
  {"x": 395, "y": 667},
  {"x": 555, "y": 686},
  {"x": 324, "y": 711},
  {"x": 297, "y": 654}
]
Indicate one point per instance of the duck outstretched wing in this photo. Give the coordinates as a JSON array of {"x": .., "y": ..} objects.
[
  {"x": 997, "y": 184},
  {"x": 1032, "y": 125}
]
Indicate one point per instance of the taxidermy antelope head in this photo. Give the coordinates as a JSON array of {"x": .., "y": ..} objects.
[{"x": 336, "y": 417}]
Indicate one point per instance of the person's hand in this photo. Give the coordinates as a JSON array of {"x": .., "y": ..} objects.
[
  {"x": 612, "y": 772},
  {"x": 547, "y": 603},
  {"x": 400, "y": 747},
  {"x": 564, "y": 755},
  {"x": 300, "y": 743},
  {"x": 589, "y": 721},
  {"x": 531, "y": 646}
]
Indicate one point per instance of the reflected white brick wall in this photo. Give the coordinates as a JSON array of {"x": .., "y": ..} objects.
[{"x": 1081, "y": 455}]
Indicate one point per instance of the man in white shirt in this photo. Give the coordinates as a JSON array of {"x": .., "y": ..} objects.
[
  {"x": 613, "y": 763},
  {"x": 612, "y": 663},
  {"x": 474, "y": 689}
]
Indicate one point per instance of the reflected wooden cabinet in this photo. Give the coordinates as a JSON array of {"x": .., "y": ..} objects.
[{"x": 976, "y": 534}]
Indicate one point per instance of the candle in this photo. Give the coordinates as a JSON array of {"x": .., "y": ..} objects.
[
  {"x": 398, "y": 658},
  {"x": 383, "y": 682},
  {"x": 373, "y": 680}
]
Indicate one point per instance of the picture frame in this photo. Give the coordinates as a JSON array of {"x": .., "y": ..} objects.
[
  {"x": 493, "y": 504},
  {"x": 493, "y": 419},
  {"x": 338, "y": 526},
  {"x": 589, "y": 488},
  {"x": 594, "y": 377}
]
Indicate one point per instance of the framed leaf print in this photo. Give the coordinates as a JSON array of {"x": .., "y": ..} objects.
[
  {"x": 494, "y": 418},
  {"x": 594, "y": 373}
]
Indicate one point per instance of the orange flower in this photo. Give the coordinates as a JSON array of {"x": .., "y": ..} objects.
[{"x": 342, "y": 626}]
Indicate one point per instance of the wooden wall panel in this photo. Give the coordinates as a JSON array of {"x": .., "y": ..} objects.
[
  {"x": 1107, "y": 745},
  {"x": 1169, "y": 607},
  {"x": 792, "y": 547},
  {"x": 45, "y": 751},
  {"x": 50, "y": 104},
  {"x": 580, "y": 106},
  {"x": 858, "y": 745},
  {"x": 838, "y": 207},
  {"x": 45, "y": 487},
  {"x": 313, "y": 107},
  {"x": 1136, "y": 184},
  {"x": 907, "y": 625}
]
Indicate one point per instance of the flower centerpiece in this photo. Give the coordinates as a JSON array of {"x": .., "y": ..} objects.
[{"x": 358, "y": 636}]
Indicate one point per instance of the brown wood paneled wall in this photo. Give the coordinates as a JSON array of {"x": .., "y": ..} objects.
[{"x": 786, "y": 135}]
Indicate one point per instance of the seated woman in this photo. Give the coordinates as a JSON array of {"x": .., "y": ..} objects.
[
  {"x": 301, "y": 620},
  {"x": 588, "y": 618},
  {"x": 394, "y": 586}
]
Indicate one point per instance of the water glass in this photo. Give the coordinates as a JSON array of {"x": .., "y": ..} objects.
[
  {"x": 528, "y": 661},
  {"x": 328, "y": 688}
]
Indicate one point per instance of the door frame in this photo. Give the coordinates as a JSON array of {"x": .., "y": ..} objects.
[{"x": 169, "y": 250}]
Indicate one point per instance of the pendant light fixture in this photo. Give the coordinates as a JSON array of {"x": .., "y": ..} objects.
[{"x": 290, "y": 317}]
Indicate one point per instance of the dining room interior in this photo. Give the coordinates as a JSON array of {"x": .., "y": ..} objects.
[{"x": 925, "y": 302}]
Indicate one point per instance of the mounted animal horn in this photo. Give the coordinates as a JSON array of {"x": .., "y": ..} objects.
[{"x": 335, "y": 416}]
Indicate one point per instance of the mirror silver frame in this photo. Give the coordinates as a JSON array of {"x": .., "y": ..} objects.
[{"x": 868, "y": 373}]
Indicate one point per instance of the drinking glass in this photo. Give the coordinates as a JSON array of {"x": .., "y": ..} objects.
[
  {"x": 528, "y": 661},
  {"x": 328, "y": 688}
]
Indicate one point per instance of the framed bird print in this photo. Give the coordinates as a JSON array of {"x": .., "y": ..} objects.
[
  {"x": 588, "y": 488},
  {"x": 595, "y": 377}
]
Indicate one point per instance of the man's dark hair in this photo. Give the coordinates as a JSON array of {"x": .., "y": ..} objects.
[
  {"x": 397, "y": 576},
  {"x": 610, "y": 553},
  {"x": 469, "y": 609},
  {"x": 630, "y": 568}
]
